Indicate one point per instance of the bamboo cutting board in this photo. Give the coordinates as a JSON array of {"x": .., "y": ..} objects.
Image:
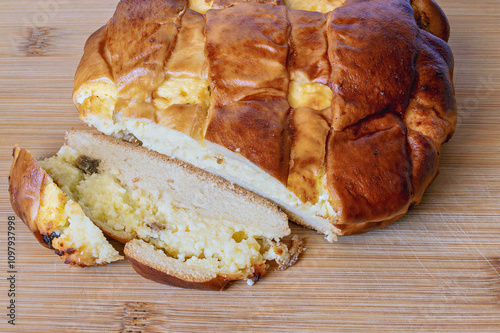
[{"x": 437, "y": 269}]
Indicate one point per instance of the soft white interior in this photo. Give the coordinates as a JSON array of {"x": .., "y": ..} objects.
[
  {"x": 206, "y": 155},
  {"x": 222, "y": 162},
  {"x": 218, "y": 245},
  {"x": 74, "y": 229}
]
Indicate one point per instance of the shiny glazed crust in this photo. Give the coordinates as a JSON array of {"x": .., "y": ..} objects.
[
  {"x": 26, "y": 180},
  {"x": 429, "y": 16},
  {"x": 375, "y": 149}
]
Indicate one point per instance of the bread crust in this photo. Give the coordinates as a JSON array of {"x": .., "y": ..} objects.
[
  {"x": 378, "y": 57},
  {"x": 218, "y": 283},
  {"x": 40, "y": 208},
  {"x": 425, "y": 160},
  {"x": 249, "y": 109},
  {"x": 26, "y": 179},
  {"x": 367, "y": 167},
  {"x": 372, "y": 70},
  {"x": 430, "y": 17},
  {"x": 351, "y": 229},
  {"x": 140, "y": 257}
]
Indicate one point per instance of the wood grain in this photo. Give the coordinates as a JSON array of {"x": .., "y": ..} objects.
[{"x": 437, "y": 269}]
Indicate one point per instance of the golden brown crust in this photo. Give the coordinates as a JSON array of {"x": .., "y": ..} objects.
[
  {"x": 368, "y": 170},
  {"x": 140, "y": 35},
  {"x": 256, "y": 130},
  {"x": 186, "y": 118},
  {"x": 307, "y": 29},
  {"x": 372, "y": 69},
  {"x": 351, "y": 229},
  {"x": 156, "y": 266},
  {"x": 249, "y": 104},
  {"x": 424, "y": 161},
  {"x": 93, "y": 66},
  {"x": 379, "y": 57},
  {"x": 221, "y": 4},
  {"x": 40, "y": 205},
  {"x": 263, "y": 74},
  {"x": 309, "y": 133},
  {"x": 26, "y": 180},
  {"x": 150, "y": 273},
  {"x": 188, "y": 58},
  {"x": 429, "y": 16},
  {"x": 160, "y": 276},
  {"x": 432, "y": 110}
]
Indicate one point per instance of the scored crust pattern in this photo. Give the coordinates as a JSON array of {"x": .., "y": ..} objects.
[{"x": 384, "y": 66}]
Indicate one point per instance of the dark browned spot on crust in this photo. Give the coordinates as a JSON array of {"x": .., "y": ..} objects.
[
  {"x": 422, "y": 20},
  {"x": 49, "y": 238},
  {"x": 70, "y": 261},
  {"x": 255, "y": 278},
  {"x": 87, "y": 165},
  {"x": 62, "y": 252}
]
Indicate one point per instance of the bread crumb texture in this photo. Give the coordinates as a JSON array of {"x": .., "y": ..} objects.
[
  {"x": 225, "y": 247},
  {"x": 69, "y": 232}
]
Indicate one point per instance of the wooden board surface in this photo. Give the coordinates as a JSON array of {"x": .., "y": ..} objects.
[{"x": 437, "y": 269}]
